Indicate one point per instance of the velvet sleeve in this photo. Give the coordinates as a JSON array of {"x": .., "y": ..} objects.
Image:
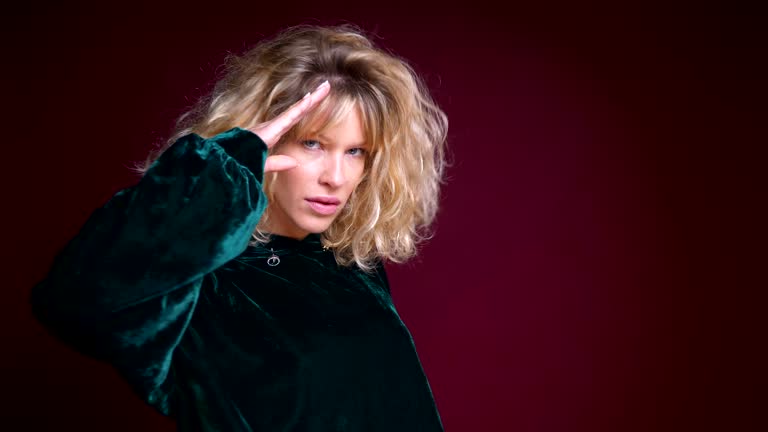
[{"x": 124, "y": 288}]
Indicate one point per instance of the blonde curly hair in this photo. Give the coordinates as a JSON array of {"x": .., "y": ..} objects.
[{"x": 394, "y": 205}]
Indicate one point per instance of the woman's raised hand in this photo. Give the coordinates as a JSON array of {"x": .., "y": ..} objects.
[{"x": 271, "y": 131}]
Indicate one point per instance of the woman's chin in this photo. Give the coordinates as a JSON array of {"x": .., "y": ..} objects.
[{"x": 316, "y": 227}]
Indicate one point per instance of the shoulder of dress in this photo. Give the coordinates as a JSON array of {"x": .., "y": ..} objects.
[{"x": 376, "y": 276}]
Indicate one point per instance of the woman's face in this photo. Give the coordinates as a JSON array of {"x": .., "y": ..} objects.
[{"x": 309, "y": 197}]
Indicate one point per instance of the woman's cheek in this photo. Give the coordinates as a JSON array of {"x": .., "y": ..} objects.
[
  {"x": 358, "y": 167},
  {"x": 308, "y": 156}
]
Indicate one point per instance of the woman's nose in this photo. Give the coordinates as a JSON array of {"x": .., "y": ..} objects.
[{"x": 333, "y": 171}]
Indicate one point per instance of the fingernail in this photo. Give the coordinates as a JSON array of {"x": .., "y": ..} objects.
[
  {"x": 324, "y": 83},
  {"x": 306, "y": 96}
]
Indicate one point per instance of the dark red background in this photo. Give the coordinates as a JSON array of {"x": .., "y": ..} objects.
[{"x": 599, "y": 256}]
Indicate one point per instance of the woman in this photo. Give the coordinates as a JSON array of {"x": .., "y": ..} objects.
[{"x": 239, "y": 285}]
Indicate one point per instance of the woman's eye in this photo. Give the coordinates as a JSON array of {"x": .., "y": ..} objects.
[
  {"x": 357, "y": 151},
  {"x": 311, "y": 144}
]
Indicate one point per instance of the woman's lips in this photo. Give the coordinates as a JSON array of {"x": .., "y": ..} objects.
[{"x": 323, "y": 209}]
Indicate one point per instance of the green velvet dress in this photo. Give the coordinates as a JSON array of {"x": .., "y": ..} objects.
[{"x": 162, "y": 283}]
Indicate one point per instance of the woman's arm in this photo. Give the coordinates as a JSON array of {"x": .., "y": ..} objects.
[
  {"x": 193, "y": 211},
  {"x": 123, "y": 289}
]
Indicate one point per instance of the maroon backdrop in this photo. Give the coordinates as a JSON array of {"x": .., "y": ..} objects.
[{"x": 595, "y": 263}]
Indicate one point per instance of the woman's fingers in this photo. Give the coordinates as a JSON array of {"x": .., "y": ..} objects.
[
  {"x": 286, "y": 120},
  {"x": 279, "y": 163},
  {"x": 271, "y": 131}
]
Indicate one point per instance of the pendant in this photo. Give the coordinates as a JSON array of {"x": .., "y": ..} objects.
[{"x": 273, "y": 260}]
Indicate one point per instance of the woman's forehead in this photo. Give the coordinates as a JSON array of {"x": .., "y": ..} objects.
[{"x": 330, "y": 113}]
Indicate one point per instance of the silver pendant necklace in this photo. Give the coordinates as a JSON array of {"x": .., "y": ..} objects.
[{"x": 274, "y": 259}]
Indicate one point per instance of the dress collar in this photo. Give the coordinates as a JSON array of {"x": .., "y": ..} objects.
[{"x": 312, "y": 242}]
